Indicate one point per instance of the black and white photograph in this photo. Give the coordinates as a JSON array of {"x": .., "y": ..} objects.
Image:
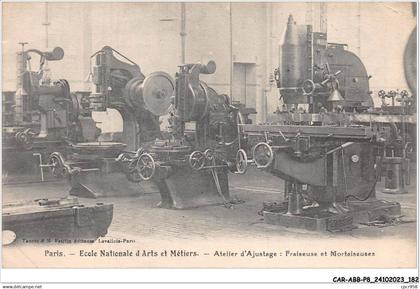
[{"x": 210, "y": 135}]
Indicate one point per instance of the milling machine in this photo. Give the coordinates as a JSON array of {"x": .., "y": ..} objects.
[
  {"x": 190, "y": 166},
  {"x": 327, "y": 142},
  {"x": 92, "y": 168},
  {"x": 42, "y": 116},
  {"x": 139, "y": 99}
]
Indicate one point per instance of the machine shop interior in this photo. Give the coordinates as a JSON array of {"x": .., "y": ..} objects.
[{"x": 194, "y": 122}]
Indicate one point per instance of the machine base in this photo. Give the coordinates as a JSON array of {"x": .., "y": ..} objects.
[
  {"x": 186, "y": 188},
  {"x": 397, "y": 175},
  {"x": 62, "y": 219},
  {"x": 315, "y": 219},
  {"x": 97, "y": 185}
]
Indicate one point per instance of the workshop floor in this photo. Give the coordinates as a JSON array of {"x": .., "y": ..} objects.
[{"x": 139, "y": 217}]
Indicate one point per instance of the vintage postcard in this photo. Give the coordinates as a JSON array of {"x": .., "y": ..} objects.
[{"x": 209, "y": 135}]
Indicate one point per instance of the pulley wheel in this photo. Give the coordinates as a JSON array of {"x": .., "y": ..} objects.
[
  {"x": 74, "y": 111},
  {"x": 158, "y": 89},
  {"x": 133, "y": 92}
]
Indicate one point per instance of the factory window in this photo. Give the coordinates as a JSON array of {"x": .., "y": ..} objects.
[{"x": 244, "y": 85}]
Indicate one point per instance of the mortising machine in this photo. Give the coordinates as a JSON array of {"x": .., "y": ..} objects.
[{"x": 92, "y": 168}]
